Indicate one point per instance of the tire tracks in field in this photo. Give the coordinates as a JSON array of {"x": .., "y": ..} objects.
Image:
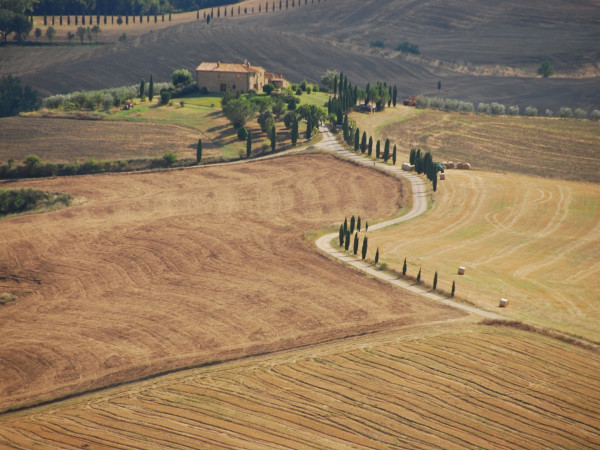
[{"x": 330, "y": 143}]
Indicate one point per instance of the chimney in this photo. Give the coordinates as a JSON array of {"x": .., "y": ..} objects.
[{"x": 248, "y": 64}]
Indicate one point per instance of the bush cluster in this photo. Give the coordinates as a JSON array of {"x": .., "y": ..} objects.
[
  {"x": 102, "y": 99},
  {"x": 445, "y": 104},
  {"x": 15, "y": 201}
]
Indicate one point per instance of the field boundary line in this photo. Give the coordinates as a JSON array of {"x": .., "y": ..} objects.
[{"x": 419, "y": 207}]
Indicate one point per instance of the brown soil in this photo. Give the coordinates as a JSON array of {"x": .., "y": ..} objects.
[
  {"x": 66, "y": 140},
  {"x": 160, "y": 271}
]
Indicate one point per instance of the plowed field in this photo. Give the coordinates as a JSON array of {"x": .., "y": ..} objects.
[
  {"x": 154, "y": 272},
  {"x": 450, "y": 386}
]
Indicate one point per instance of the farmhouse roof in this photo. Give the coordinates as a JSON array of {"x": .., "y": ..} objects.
[{"x": 228, "y": 67}]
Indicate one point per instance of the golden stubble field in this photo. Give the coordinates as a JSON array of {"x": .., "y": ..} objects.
[
  {"x": 454, "y": 385},
  {"x": 154, "y": 272}
]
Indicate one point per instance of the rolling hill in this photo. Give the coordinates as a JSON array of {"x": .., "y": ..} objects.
[{"x": 479, "y": 51}]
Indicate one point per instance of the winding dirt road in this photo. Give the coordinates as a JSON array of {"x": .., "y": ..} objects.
[{"x": 330, "y": 143}]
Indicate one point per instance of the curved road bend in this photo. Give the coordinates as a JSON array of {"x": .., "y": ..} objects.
[{"x": 330, "y": 143}]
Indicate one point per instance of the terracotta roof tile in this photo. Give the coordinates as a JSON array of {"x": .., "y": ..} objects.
[{"x": 228, "y": 67}]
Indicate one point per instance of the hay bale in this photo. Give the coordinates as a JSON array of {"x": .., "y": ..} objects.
[
  {"x": 503, "y": 303},
  {"x": 408, "y": 167},
  {"x": 442, "y": 176},
  {"x": 463, "y": 166},
  {"x": 461, "y": 270},
  {"x": 449, "y": 165}
]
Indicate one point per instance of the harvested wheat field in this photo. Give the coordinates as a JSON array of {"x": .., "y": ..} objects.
[
  {"x": 531, "y": 240},
  {"x": 545, "y": 147},
  {"x": 67, "y": 140},
  {"x": 158, "y": 271},
  {"x": 440, "y": 386}
]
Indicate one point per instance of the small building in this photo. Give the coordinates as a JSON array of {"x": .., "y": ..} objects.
[{"x": 224, "y": 77}]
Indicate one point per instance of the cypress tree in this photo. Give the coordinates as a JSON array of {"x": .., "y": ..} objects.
[
  {"x": 308, "y": 128},
  {"x": 394, "y": 96},
  {"x": 347, "y": 241},
  {"x": 294, "y": 131},
  {"x": 356, "y": 139},
  {"x": 386, "y": 150},
  {"x": 341, "y": 236},
  {"x": 273, "y": 138},
  {"x": 434, "y": 183},
  {"x": 394, "y": 155},
  {"x": 411, "y": 159},
  {"x": 352, "y": 224},
  {"x": 199, "y": 151},
  {"x": 453, "y": 288},
  {"x": 335, "y": 83},
  {"x": 363, "y": 142},
  {"x": 151, "y": 89},
  {"x": 435, "y": 281},
  {"x": 142, "y": 87},
  {"x": 355, "y": 243},
  {"x": 364, "y": 248},
  {"x": 377, "y": 256},
  {"x": 367, "y": 226},
  {"x": 370, "y": 147},
  {"x": 249, "y": 144},
  {"x": 378, "y": 149},
  {"x": 345, "y": 225},
  {"x": 404, "y": 268},
  {"x": 358, "y": 223},
  {"x": 419, "y": 276}
]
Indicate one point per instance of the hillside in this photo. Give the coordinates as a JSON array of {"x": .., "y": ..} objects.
[{"x": 480, "y": 52}]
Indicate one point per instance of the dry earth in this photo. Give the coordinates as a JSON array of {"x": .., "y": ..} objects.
[
  {"x": 159, "y": 271},
  {"x": 451, "y": 386}
]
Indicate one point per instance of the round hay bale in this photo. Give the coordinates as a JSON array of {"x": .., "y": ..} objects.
[
  {"x": 461, "y": 270},
  {"x": 449, "y": 165},
  {"x": 463, "y": 166},
  {"x": 503, "y": 303},
  {"x": 442, "y": 176}
]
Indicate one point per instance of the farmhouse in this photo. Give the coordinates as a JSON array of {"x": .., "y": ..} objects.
[{"x": 223, "y": 77}]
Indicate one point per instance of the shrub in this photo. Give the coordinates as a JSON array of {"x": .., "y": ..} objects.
[
  {"x": 580, "y": 113},
  {"x": 288, "y": 118},
  {"x": 378, "y": 44},
  {"x": 165, "y": 96},
  {"x": 181, "y": 77},
  {"x": 483, "y": 108},
  {"x": 497, "y": 109},
  {"x": 264, "y": 122},
  {"x": 596, "y": 114},
  {"x": 565, "y": 112},
  {"x": 170, "y": 158},
  {"x": 268, "y": 88},
  {"x": 242, "y": 133},
  {"x": 531, "y": 111},
  {"x": 308, "y": 89},
  {"x": 407, "y": 47},
  {"x": 513, "y": 110},
  {"x": 549, "y": 112},
  {"x": 298, "y": 91}
]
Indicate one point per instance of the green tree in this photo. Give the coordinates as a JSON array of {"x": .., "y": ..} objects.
[
  {"x": 14, "y": 98},
  {"x": 181, "y": 77},
  {"x": 6, "y": 23},
  {"x": 345, "y": 224},
  {"x": 358, "y": 223},
  {"x": 356, "y": 139},
  {"x": 377, "y": 256},
  {"x": 341, "y": 235},
  {"x": 80, "y": 33},
  {"x": 95, "y": 30},
  {"x": 199, "y": 151},
  {"x": 347, "y": 240},
  {"x": 394, "y": 155},
  {"x": 268, "y": 88},
  {"x": 453, "y": 289},
  {"x": 364, "y": 248},
  {"x": 367, "y": 226},
  {"x": 315, "y": 113},
  {"x": 355, "y": 248},
  {"x": 327, "y": 79},
  {"x": 352, "y": 224},
  {"x": 435, "y": 280},
  {"x": 378, "y": 149},
  {"x": 50, "y": 33},
  {"x": 404, "y": 267},
  {"x": 545, "y": 69},
  {"x": 142, "y": 89},
  {"x": 394, "y": 96},
  {"x": 419, "y": 276},
  {"x": 151, "y": 88},
  {"x": 309, "y": 128},
  {"x": 21, "y": 26},
  {"x": 239, "y": 111},
  {"x": 370, "y": 146},
  {"x": 242, "y": 133},
  {"x": 37, "y": 33},
  {"x": 249, "y": 144}
]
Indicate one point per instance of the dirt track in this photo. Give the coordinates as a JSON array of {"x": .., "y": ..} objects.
[{"x": 166, "y": 270}]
